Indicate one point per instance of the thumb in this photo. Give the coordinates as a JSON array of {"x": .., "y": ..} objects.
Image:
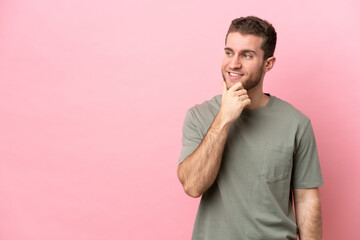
[{"x": 224, "y": 88}]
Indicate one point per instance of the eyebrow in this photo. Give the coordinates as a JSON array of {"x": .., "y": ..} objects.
[{"x": 242, "y": 51}]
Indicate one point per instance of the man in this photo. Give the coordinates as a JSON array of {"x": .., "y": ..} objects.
[{"x": 248, "y": 154}]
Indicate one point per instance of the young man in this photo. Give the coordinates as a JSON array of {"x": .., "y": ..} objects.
[{"x": 248, "y": 153}]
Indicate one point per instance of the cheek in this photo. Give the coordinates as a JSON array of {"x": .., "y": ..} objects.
[
  {"x": 254, "y": 68},
  {"x": 222, "y": 66},
  {"x": 224, "y": 63}
]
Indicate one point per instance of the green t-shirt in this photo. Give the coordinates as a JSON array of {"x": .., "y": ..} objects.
[{"x": 268, "y": 152}]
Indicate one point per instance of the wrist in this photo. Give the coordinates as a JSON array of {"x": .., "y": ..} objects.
[{"x": 223, "y": 121}]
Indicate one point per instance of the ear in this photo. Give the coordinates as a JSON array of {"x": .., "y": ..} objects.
[{"x": 269, "y": 63}]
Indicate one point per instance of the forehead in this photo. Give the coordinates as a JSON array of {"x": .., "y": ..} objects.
[{"x": 238, "y": 42}]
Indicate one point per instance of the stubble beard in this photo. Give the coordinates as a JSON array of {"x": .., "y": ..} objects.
[{"x": 249, "y": 83}]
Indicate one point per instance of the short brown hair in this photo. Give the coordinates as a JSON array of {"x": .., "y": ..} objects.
[{"x": 258, "y": 27}]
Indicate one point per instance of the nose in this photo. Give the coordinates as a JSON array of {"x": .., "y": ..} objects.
[{"x": 235, "y": 62}]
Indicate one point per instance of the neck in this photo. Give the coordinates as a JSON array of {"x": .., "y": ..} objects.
[
  {"x": 257, "y": 97},
  {"x": 259, "y": 101}
]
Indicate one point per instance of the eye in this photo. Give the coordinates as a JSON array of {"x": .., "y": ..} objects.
[
  {"x": 247, "y": 56},
  {"x": 227, "y": 53}
]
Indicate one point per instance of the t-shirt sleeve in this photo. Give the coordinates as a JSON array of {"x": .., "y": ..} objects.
[
  {"x": 192, "y": 136},
  {"x": 306, "y": 166}
]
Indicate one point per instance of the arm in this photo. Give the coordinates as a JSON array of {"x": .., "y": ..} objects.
[
  {"x": 199, "y": 170},
  {"x": 308, "y": 213}
]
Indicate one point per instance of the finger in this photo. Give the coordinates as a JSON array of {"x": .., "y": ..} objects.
[
  {"x": 236, "y": 86},
  {"x": 243, "y": 97},
  {"x": 240, "y": 92},
  {"x": 224, "y": 88},
  {"x": 247, "y": 102}
]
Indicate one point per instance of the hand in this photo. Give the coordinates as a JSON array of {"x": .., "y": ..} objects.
[{"x": 233, "y": 102}]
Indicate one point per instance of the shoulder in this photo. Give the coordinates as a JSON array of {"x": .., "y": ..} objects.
[
  {"x": 207, "y": 108},
  {"x": 203, "y": 114},
  {"x": 288, "y": 111},
  {"x": 290, "y": 122}
]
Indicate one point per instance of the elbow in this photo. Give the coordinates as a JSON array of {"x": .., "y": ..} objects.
[{"x": 189, "y": 189}]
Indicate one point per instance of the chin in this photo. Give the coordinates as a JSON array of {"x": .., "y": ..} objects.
[{"x": 229, "y": 83}]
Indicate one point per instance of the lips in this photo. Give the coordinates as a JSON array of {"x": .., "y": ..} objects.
[{"x": 234, "y": 75}]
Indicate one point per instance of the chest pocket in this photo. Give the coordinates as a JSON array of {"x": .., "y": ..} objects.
[{"x": 277, "y": 162}]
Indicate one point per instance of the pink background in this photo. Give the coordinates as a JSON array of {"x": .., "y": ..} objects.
[{"x": 93, "y": 95}]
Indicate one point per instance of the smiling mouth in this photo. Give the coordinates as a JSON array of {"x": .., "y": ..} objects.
[{"x": 235, "y": 75}]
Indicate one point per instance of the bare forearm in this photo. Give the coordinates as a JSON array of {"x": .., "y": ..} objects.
[
  {"x": 199, "y": 171},
  {"x": 308, "y": 215}
]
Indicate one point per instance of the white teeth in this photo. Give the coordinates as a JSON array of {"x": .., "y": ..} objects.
[{"x": 234, "y": 74}]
